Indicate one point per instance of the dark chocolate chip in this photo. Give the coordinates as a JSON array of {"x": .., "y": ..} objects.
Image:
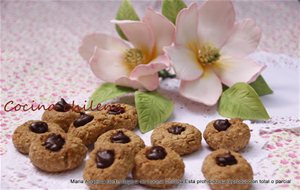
[
  {"x": 39, "y": 127},
  {"x": 105, "y": 158},
  {"x": 54, "y": 142},
  {"x": 83, "y": 119},
  {"x": 120, "y": 137},
  {"x": 176, "y": 129},
  {"x": 62, "y": 106},
  {"x": 116, "y": 110},
  {"x": 226, "y": 159},
  {"x": 156, "y": 153},
  {"x": 222, "y": 124}
]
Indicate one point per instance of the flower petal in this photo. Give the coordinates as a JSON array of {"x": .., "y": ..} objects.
[
  {"x": 244, "y": 39},
  {"x": 150, "y": 82},
  {"x": 125, "y": 81},
  {"x": 216, "y": 21},
  {"x": 138, "y": 33},
  {"x": 232, "y": 70},
  {"x": 184, "y": 62},
  {"x": 107, "y": 65},
  {"x": 159, "y": 63},
  {"x": 102, "y": 41},
  {"x": 186, "y": 27},
  {"x": 162, "y": 29},
  {"x": 207, "y": 89}
]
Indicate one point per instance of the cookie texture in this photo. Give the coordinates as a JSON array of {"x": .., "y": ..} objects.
[
  {"x": 122, "y": 138},
  {"x": 57, "y": 152},
  {"x": 62, "y": 113},
  {"x": 230, "y": 134},
  {"x": 229, "y": 166},
  {"x": 158, "y": 167},
  {"x": 121, "y": 115},
  {"x": 181, "y": 137},
  {"x": 29, "y": 131},
  {"x": 107, "y": 167},
  {"x": 63, "y": 119},
  {"x": 89, "y": 126}
]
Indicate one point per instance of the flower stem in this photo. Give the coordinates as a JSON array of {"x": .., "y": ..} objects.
[{"x": 165, "y": 74}]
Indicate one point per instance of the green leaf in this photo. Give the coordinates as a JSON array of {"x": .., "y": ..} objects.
[
  {"x": 152, "y": 109},
  {"x": 261, "y": 87},
  {"x": 107, "y": 91},
  {"x": 241, "y": 101},
  {"x": 125, "y": 12},
  {"x": 170, "y": 9}
]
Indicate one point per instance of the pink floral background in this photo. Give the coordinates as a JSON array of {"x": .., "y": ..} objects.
[{"x": 40, "y": 63}]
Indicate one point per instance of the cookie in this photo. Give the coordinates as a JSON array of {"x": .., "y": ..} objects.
[
  {"x": 181, "y": 137},
  {"x": 158, "y": 167},
  {"x": 229, "y": 170},
  {"x": 28, "y": 131},
  {"x": 89, "y": 126},
  {"x": 230, "y": 134},
  {"x": 107, "y": 167},
  {"x": 57, "y": 152},
  {"x": 61, "y": 114},
  {"x": 123, "y": 138},
  {"x": 121, "y": 115}
]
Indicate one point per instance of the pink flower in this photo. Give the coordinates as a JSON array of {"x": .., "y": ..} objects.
[
  {"x": 211, "y": 49},
  {"x": 134, "y": 65}
]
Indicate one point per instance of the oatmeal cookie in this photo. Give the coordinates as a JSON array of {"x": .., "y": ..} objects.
[
  {"x": 89, "y": 126},
  {"x": 121, "y": 115},
  {"x": 230, "y": 134},
  {"x": 28, "y": 131},
  {"x": 123, "y": 138},
  {"x": 228, "y": 166},
  {"x": 107, "y": 163},
  {"x": 61, "y": 114},
  {"x": 157, "y": 166},
  {"x": 181, "y": 137},
  {"x": 57, "y": 152}
]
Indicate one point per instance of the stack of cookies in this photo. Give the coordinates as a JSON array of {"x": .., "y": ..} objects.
[{"x": 60, "y": 142}]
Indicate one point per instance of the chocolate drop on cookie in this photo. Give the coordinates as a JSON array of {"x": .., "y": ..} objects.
[
  {"x": 39, "y": 127},
  {"x": 83, "y": 119},
  {"x": 54, "y": 142},
  {"x": 176, "y": 129},
  {"x": 156, "y": 153},
  {"x": 115, "y": 110},
  {"x": 226, "y": 159},
  {"x": 105, "y": 158},
  {"x": 222, "y": 124},
  {"x": 62, "y": 106},
  {"x": 120, "y": 137}
]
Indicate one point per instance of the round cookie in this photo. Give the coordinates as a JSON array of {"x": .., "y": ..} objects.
[
  {"x": 230, "y": 134},
  {"x": 107, "y": 163},
  {"x": 157, "y": 166},
  {"x": 62, "y": 114},
  {"x": 181, "y": 137},
  {"x": 227, "y": 165},
  {"x": 122, "y": 138},
  {"x": 89, "y": 126},
  {"x": 57, "y": 152},
  {"x": 121, "y": 115},
  {"x": 28, "y": 131}
]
